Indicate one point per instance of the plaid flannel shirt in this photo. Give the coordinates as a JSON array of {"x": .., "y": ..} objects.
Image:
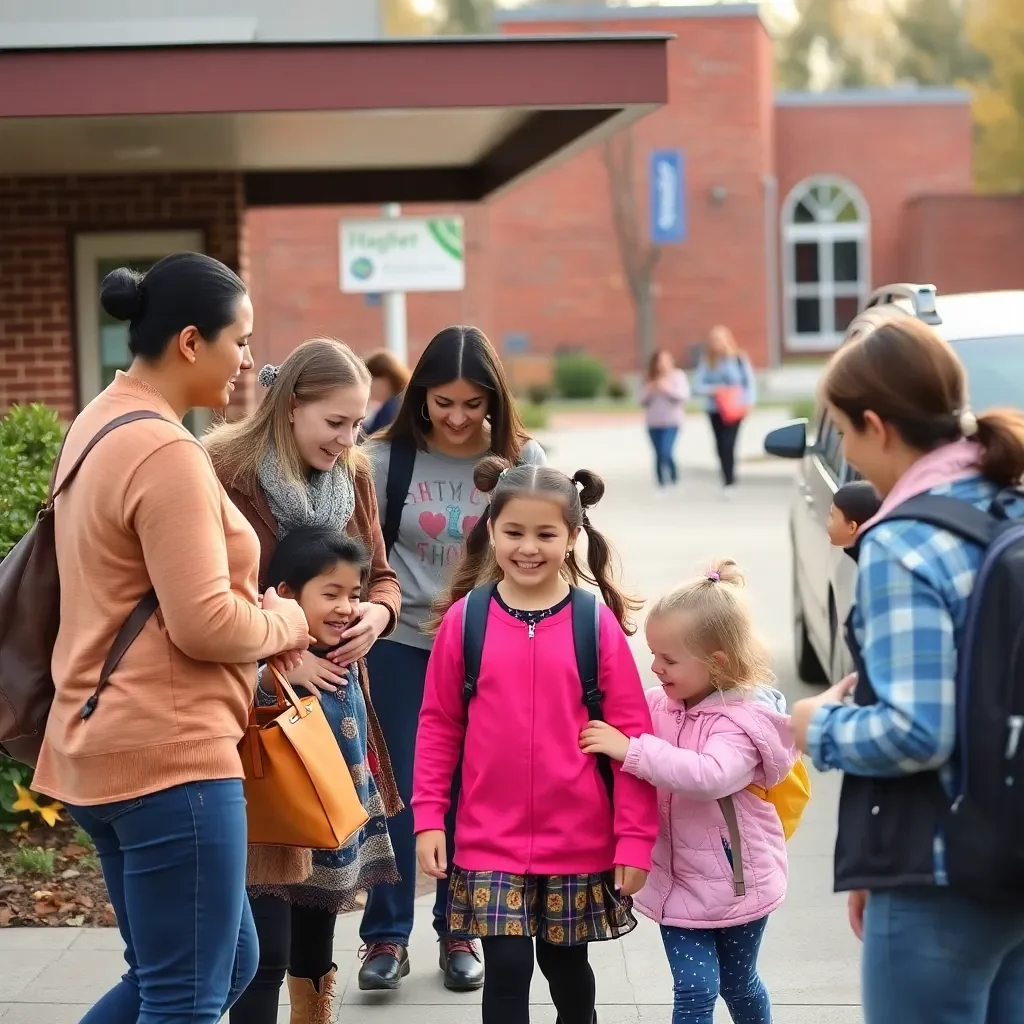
[{"x": 913, "y": 586}]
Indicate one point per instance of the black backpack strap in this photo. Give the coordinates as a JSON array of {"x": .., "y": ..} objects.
[
  {"x": 400, "y": 468},
  {"x": 948, "y": 513},
  {"x": 474, "y": 627},
  {"x": 120, "y": 421},
  {"x": 586, "y": 634}
]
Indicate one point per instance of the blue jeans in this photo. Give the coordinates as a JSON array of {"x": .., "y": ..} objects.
[
  {"x": 708, "y": 962},
  {"x": 932, "y": 956},
  {"x": 174, "y": 866},
  {"x": 664, "y": 441},
  {"x": 397, "y": 676}
]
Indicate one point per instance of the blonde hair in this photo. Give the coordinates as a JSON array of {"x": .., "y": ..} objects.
[
  {"x": 728, "y": 338},
  {"x": 311, "y": 372},
  {"x": 722, "y": 631}
]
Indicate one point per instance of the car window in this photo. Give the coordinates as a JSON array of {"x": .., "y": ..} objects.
[
  {"x": 995, "y": 371},
  {"x": 830, "y": 449}
]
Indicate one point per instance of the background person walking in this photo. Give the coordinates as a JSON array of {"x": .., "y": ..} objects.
[
  {"x": 664, "y": 399},
  {"x": 725, "y": 378}
]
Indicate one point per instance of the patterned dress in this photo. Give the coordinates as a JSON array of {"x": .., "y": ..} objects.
[
  {"x": 368, "y": 858},
  {"x": 563, "y": 910}
]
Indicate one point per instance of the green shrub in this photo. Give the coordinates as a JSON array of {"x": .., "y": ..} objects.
[
  {"x": 539, "y": 393},
  {"x": 14, "y": 781},
  {"x": 31, "y": 860},
  {"x": 534, "y": 417},
  {"x": 579, "y": 375},
  {"x": 804, "y": 409},
  {"x": 618, "y": 389},
  {"x": 30, "y": 437}
]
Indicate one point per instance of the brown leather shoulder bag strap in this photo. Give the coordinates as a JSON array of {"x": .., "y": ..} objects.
[
  {"x": 728, "y": 809},
  {"x": 120, "y": 421}
]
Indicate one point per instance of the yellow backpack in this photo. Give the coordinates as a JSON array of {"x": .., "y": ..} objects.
[{"x": 789, "y": 797}]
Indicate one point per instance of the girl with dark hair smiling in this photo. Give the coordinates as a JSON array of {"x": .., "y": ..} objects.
[{"x": 456, "y": 408}]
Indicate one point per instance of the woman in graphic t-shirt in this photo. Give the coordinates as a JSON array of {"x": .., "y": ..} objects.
[{"x": 457, "y": 407}]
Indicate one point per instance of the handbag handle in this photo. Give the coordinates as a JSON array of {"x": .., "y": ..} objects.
[{"x": 286, "y": 698}]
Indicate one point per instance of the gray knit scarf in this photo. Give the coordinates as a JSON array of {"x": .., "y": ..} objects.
[{"x": 327, "y": 501}]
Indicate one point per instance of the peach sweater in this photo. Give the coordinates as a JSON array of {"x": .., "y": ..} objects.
[{"x": 147, "y": 510}]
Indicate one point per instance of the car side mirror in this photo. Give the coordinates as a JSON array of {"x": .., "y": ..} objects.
[{"x": 788, "y": 442}]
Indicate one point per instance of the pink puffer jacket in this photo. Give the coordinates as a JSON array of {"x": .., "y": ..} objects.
[{"x": 695, "y": 757}]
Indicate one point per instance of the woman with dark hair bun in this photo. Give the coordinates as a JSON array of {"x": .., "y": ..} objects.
[
  {"x": 456, "y": 408},
  {"x": 932, "y": 868},
  {"x": 148, "y": 765}
]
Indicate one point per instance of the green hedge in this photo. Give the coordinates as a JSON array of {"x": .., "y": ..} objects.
[{"x": 579, "y": 375}]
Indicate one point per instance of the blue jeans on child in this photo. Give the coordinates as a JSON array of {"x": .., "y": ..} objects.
[
  {"x": 708, "y": 962},
  {"x": 932, "y": 956},
  {"x": 663, "y": 440},
  {"x": 174, "y": 866}
]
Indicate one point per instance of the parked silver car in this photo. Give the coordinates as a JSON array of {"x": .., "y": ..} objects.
[{"x": 987, "y": 331}]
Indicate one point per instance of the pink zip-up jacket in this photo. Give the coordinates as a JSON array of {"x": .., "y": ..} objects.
[
  {"x": 695, "y": 757},
  {"x": 532, "y": 802}
]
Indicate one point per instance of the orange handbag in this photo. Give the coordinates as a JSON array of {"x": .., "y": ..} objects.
[{"x": 298, "y": 788}]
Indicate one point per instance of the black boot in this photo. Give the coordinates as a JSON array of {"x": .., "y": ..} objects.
[
  {"x": 463, "y": 965},
  {"x": 385, "y": 964}
]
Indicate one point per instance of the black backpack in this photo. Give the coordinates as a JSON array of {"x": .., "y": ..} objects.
[
  {"x": 984, "y": 830},
  {"x": 401, "y": 461},
  {"x": 586, "y": 631}
]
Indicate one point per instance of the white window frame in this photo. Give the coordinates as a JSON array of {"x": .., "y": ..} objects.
[
  {"x": 824, "y": 233},
  {"x": 90, "y": 248}
]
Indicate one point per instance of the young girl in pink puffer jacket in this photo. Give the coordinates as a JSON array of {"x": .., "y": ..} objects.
[{"x": 718, "y": 729}]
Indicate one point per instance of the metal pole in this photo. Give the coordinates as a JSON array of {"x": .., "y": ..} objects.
[
  {"x": 771, "y": 262},
  {"x": 395, "y": 328}
]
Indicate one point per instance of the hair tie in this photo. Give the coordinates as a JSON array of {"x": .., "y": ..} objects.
[
  {"x": 968, "y": 423},
  {"x": 586, "y": 519},
  {"x": 268, "y": 375},
  {"x": 715, "y": 577}
]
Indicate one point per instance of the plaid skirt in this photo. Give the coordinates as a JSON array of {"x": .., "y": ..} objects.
[{"x": 564, "y": 910}]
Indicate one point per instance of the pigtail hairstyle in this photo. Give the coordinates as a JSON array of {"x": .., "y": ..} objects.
[
  {"x": 910, "y": 378},
  {"x": 503, "y": 481}
]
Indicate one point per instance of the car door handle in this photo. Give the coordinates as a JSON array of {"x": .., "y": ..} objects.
[{"x": 809, "y": 499}]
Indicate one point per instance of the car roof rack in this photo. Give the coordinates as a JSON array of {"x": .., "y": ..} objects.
[{"x": 920, "y": 296}]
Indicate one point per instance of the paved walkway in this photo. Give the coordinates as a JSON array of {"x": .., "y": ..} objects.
[{"x": 810, "y": 959}]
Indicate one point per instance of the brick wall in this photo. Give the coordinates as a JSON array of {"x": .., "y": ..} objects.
[
  {"x": 964, "y": 243},
  {"x": 542, "y": 259},
  {"x": 892, "y": 152},
  {"x": 38, "y": 220}
]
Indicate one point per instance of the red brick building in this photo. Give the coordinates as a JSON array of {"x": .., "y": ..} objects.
[{"x": 797, "y": 204}]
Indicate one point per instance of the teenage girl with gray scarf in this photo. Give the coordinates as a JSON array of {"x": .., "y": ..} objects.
[{"x": 293, "y": 464}]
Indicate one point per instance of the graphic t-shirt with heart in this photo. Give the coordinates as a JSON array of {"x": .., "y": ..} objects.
[{"x": 442, "y": 507}]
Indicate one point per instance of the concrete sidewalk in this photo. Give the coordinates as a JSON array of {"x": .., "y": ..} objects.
[{"x": 809, "y": 959}]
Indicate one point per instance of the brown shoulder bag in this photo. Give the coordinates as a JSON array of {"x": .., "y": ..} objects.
[
  {"x": 30, "y": 618},
  {"x": 298, "y": 788}
]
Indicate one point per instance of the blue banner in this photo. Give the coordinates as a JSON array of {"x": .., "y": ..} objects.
[{"x": 667, "y": 189}]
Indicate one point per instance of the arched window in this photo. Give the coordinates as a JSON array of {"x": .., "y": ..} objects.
[{"x": 825, "y": 237}]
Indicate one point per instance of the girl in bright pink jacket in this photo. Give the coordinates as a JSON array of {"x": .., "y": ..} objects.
[
  {"x": 542, "y": 849},
  {"x": 717, "y": 730}
]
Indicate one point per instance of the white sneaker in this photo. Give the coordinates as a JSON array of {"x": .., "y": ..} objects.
[{"x": 729, "y": 492}]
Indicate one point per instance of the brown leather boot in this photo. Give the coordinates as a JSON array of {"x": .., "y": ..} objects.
[{"x": 313, "y": 1003}]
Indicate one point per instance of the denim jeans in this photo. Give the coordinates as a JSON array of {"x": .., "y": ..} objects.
[
  {"x": 932, "y": 956},
  {"x": 174, "y": 866},
  {"x": 708, "y": 962},
  {"x": 663, "y": 439},
  {"x": 397, "y": 676}
]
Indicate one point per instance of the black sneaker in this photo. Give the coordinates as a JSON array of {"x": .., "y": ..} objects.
[
  {"x": 385, "y": 964},
  {"x": 463, "y": 965}
]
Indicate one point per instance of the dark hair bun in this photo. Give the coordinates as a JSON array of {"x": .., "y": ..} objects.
[
  {"x": 121, "y": 295},
  {"x": 487, "y": 472},
  {"x": 591, "y": 487}
]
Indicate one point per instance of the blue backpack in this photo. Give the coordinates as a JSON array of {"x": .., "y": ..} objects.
[{"x": 585, "y": 636}]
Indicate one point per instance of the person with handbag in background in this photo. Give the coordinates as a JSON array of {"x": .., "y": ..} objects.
[
  {"x": 158, "y": 568},
  {"x": 457, "y": 407},
  {"x": 294, "y": 465},
  {"x": 725, "y": 378}
]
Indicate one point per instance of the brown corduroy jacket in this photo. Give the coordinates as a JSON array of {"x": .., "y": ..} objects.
[{"x": 284, "y": 865}]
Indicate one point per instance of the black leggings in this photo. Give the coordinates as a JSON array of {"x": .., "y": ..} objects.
[
  {"x": 293, "y": 940},
  {"x": 725, "y": 444},
  {"x": 508, "y": 962}
]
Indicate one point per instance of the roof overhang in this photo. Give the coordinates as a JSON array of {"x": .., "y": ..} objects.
[{"x": 394, "y": 121}]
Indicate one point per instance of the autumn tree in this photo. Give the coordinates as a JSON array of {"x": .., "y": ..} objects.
[
  {"x": 997, "y": 31},
  {"x": 638, "y": 254},
  {"x": 935, "y": 44}
]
